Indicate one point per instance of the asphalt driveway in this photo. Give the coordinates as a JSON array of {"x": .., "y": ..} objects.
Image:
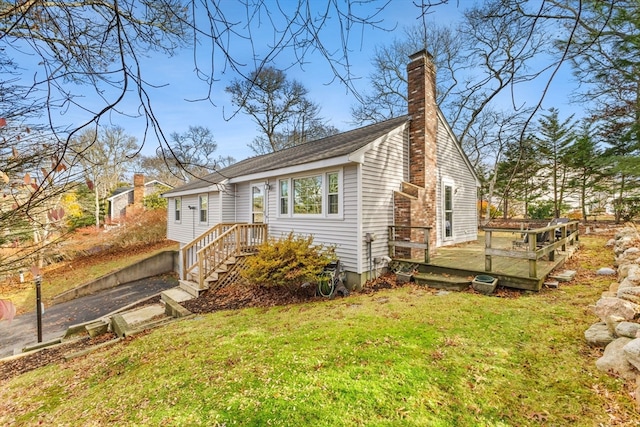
[{"x": 56, "y": 319}]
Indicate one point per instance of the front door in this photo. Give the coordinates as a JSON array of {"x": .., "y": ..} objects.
[{"x": 258, "y": 203}]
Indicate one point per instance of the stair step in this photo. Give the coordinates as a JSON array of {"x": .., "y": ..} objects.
[
  {"x": 440, "y": 281},
  {"x": 177, "y": 294},
  {"x": 191, "y": 287}
]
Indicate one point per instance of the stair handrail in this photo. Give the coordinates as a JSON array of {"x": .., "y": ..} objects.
[
  {"x": 234, "y": 241},
  {"x": 189, "y": 262}
]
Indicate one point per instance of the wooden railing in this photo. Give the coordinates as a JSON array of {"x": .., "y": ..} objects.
[
  {"x": 230, "y": 240},
  {"x": 553, "y": 237},
  {"x": 190, "y": 251},
  {"x": 403, "y": 236}
]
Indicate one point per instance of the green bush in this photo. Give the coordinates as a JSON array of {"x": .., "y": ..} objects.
[
  {"x": 541, "y": 210},
  {"x": 627, "y": 208},
  {"x": 289, "y": 262}
]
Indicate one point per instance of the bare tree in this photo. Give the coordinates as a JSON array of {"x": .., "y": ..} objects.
[
  {"x": 104, "y": 158},
  {"x": 388, "y": 81},
  {"x": 280, "y": 108}
]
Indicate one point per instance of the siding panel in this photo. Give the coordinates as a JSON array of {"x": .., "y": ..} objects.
[
  {"x": 383, "y": 171},
  {"x": 452, "y": 166}
]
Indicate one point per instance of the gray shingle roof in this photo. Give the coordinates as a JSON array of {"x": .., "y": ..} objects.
[{"x": 332, "y": 146}]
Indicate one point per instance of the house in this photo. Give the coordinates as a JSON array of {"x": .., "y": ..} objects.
[
  {"x": 124, "y": 200},
  {"x": 345, "y": 190}
]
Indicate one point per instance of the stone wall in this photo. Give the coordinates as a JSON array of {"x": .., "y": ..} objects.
[{"x": 618, "y": 331}]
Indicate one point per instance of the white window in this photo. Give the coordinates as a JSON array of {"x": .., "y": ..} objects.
[
  {"x": 203, "y": 204},
  {"x": 284, "y": 196},
  {"x": 312, "y": 195},
  {"x": 448, "y": 211},
  {"x": 177, "y": 208},
  {"x": 307, "y": 195}
]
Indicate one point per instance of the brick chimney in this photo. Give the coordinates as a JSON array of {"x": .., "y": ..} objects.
[
  {"x": 421, "y": 78},
  {"x": 138, "y": 191},
  {"x": 415, "y": 203}
]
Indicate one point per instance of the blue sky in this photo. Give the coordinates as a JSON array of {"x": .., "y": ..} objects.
[{"x": 175, "y": 82}]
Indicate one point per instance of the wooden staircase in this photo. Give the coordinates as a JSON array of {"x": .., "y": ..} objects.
[{"x": 214, "y": 259}]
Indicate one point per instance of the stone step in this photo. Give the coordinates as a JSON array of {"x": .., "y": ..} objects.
[
  {"x": 191, "y": 287},
  {"x": 442, "y": 281},
  {"x": 176, "y": 294},
  {"x": 564, "y": 276}
]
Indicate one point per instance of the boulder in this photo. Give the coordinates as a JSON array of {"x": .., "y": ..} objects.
[
  {"x": 628, "y": 329},
  {"x": 610, "y": 243},
  {"x": 629, "y": 293},
  {"x": 608, "y": 307},
  {"x": 632, "y": 252},
  {"x": 614, "y": 360},
  {"x": 598, "y": 335},
  {"x": 606, "y": 271},
  {"x": 612, "y": 322},
  {"x": 632, "y": 352}
]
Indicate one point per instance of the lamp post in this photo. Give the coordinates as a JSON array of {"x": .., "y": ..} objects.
[{"x": 38, "y": 281}]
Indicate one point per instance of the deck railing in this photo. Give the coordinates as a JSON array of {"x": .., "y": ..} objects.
[
  {"x": 533, "y": 244},
  {"x": 404, "y": 236},
  {"x": 204, "y": 255}
]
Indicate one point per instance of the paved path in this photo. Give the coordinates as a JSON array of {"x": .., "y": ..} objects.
[{"x": 56, "y": 319}]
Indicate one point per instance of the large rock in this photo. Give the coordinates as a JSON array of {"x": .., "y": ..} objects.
[
  {"x": 632, "y": 352},
  {"x": 629, "y": 293},
  {"x": 608, "y": 307},
  {"x": 606, "y": 271},
  {"x": 598, "y": 335},
  {"x": 628, "y": 329},
  {"x": 614, "y": 360}
]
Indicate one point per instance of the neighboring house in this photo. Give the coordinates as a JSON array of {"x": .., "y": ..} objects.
[
  {"x": 127, "y": 199},
  {"x": 348, "y": 187}
]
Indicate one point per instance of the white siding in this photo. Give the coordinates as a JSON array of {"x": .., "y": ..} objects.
[
  {"x": 228, "y": 201},
  {"x": 383, "y": 171},
  {"x": 189, "y": 225},
  {"x": 242, "y": 202},
  {"x": 453, "y": 167},
  {"x": 341, "y": 232}
]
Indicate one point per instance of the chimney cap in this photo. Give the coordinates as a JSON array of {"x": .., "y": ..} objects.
[{"x": 421, "y": 54}]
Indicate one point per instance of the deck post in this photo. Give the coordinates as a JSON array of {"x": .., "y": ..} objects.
[
  {"x": 533, "y": 263},
  {"x": 392, "y": 237},
  {"x": 427, "y": 231},
  {"x": 487, "y": 245}
]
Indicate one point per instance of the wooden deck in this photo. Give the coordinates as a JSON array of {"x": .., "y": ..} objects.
[{"x": 468, "y": 260}]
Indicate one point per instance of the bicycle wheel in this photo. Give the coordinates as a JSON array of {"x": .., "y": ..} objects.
[{"x": 325, "y": 285}]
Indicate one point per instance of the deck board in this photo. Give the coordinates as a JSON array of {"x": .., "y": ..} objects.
[{"x": 469, "y": 259}]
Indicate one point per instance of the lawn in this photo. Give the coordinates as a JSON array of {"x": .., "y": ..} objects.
[{"x": 408, "y": 356}]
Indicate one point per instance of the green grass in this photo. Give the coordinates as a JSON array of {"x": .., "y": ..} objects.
[{"x": 393, "y": 358}]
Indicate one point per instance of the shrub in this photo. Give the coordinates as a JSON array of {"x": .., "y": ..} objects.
[
  {"x": 627, "y": 208},
  {"x": 144, "y": 227},
  {"x": 289, "y": 262}
]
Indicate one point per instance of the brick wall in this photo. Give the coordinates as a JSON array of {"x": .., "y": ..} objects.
[{"x": 421, "y": 209}]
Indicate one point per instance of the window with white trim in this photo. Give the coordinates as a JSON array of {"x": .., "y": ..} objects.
[
  {"x": 333, "y": 189},
  {"x": 177, "y": 208},
  {"x": 284, "y": 196},
  {"x": 312, "y": 195},
  {"x": 203, "y": 206},
  {"x": 307, "y": 195},
  {"x": 448, "y": 211}
]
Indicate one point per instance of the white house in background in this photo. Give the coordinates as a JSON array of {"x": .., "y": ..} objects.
[
  {"x": 342, "y": 189},
  {"x": 126, "y": 199}
]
